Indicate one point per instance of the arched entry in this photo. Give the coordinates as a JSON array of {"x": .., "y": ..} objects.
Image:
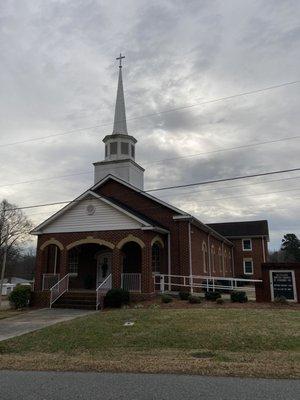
[
  {"x": 88, "y": 265},
  {"x": 51, "y": 258},
  {"x": 132, "y": 266}
]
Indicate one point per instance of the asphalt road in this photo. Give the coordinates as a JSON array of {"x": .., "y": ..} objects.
[{"x": 15, "y": 385}]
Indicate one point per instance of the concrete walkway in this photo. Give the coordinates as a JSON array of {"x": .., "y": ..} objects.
[
  {"x": 37, "y": 319},
  {"x": 19, "y": 385}
]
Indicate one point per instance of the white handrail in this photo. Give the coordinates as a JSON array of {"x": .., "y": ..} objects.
[
  {"x": 103, "y": 288},
  {"x": 207, "y": 282},
  {"x": 131, "y": 282},
  {"x": 59, "y": 289}
]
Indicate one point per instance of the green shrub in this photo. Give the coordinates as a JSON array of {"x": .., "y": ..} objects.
[
  {"x": 238, "y": 297},
  {"x": 212, "y": 296},
  {"x": 220, "y": 300},
  {"x": 115, "y": 298},
  {"x": 280, "y": 300},
  {"x": 194, "y": 299},
  {"x": 20, "y": 296},
  {"x": 184, "y": 295},
  {"x": 166, "y": 298}
]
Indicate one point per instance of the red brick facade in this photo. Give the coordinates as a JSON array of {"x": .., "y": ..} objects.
[{"x": 194, "y": 248}]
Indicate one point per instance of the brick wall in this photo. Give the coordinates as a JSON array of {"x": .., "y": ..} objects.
[{"x": 256, "y": 254}]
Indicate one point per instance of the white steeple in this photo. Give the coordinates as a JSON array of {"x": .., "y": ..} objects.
[
  {"x": 120, "y": 126},
  {"x": 119, "y": 146}
]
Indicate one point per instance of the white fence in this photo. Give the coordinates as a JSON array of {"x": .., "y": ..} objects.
[
  {"x": 49, "y": 280},
  {"x": 164, "y": 283},
  {"x": 131, "y": 282}
]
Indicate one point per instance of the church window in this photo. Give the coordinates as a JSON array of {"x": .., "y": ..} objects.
[
  {"x": 220, "y": 259},
  {"x": 132, "y": 151},
  {"x": 204, "y": 254},
  {"x": 247, "y": 244},
  {"x": 73, "y": 261},
  {"x": 213, "y": 257},
  {"x": 124, "y": 148},
  {"x": 156, "y": 258},
  {"x": 106, "y": 151},
  {"x": 114, "y": 148}
]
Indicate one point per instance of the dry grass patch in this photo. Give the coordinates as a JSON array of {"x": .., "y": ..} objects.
[{"x": 201, "y": 341}]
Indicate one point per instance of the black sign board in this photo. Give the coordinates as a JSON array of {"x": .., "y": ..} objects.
[{"x": 283, "y": 284}]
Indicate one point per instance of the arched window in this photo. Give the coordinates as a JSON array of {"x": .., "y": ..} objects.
[
  {"x": 229, "y": 262},
  {"x": 212, "y": 252},
  {"x": 156, "y": 257},
  {"x": 204, "y": 254},
  {"x": 225, "y": 260},
  {"x": 220, "y": 259}
]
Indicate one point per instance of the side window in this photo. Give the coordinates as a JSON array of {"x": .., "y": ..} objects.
[
  {"x": 247, "y": 244},
  {"x": 106, "y": 150},
  {"x": 132, "y": 151},
  {"x": 248, "y": 266}
]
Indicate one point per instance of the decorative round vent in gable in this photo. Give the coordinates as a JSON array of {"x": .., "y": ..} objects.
[{"x": 90, "y": 209}]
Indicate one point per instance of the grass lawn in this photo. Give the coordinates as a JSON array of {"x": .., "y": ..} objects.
[{"x": 240, "y": 342}]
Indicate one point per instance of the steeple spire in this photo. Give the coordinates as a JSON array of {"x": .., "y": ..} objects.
[{"x": 120, "y": 126}]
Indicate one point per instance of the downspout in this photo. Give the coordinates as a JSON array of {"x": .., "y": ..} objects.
[
  {"x": 232, "y": 262},
  {"x": 223, "y": 269},
  {"x": 264, "y": 250},
  {"x": 169, "y": 260},
  {"x": 209, "y": 258},
  {"x": 190, "y": 258}
]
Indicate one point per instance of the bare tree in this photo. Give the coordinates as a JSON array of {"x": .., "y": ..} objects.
[
  {"x": 14, "y": 230},
  {"x": 14, "y": 226}
]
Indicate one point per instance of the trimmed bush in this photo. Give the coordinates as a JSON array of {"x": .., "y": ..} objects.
[
  {"x": 184, "y": 295},
  {"x": 212, "y": 296},
  {"x": 220, "y": 300},
  {"x": 115, "y": 298},
  {"x": 20, "y": 296},
  {"x": 194, "y": 299},
  {"x": 166, "y": 298},
  {"x": 238, "y": 297}
]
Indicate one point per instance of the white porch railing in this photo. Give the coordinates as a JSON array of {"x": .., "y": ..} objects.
[
  {"x": 59, "y": 289},
  {"x": 131, "y": 282},
  {"x": 172, "y": 282},
  {"x": 102, "y": 289},
  {"x": 49, "y": 280}
]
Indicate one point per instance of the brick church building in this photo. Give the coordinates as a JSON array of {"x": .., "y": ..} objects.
[{"x": 117, "y": 235}]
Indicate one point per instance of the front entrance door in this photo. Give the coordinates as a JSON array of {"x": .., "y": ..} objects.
[{"x": 103, "y": 267}]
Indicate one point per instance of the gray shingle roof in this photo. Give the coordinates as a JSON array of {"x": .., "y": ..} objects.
[{"x": 245, "y": 228}]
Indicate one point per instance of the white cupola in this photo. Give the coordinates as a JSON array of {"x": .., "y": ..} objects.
[{"x": 120, "y": 147}]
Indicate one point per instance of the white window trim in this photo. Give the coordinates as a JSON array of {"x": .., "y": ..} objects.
[
  {"x": 250, "y": 244},
  {"x": 247, "y": 260}
]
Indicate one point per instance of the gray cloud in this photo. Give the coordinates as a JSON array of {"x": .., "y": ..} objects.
[{"x": 58, "y": 73}]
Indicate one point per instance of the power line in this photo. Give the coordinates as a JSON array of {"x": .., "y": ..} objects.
[
  {"x": 154, "y": 114},
  {"x": 171, "y": 187},
  {"x": 159, "y": 161},
  {"x": 223, "y": 180}
]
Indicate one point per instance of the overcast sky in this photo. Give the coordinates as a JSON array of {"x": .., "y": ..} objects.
[{"x": 58, "y": 73}]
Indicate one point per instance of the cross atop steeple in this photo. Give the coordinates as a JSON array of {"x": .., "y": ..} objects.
[
  {"x": 120, "y": 59},
  {"x": 120, "y": 126}
]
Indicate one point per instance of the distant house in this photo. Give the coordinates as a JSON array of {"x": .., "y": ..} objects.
[{"x": 118, "y": 234}]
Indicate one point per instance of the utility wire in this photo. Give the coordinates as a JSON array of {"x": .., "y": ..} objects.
[
  {"x": 159, "y": 161},
  {"x": 154, "y": 114},
  {"x": 171, "y": 187}
]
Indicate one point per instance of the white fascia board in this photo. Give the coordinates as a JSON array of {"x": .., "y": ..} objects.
[
  {"x": 177, "y": 210},
  {"x": 37, "y": 230}
]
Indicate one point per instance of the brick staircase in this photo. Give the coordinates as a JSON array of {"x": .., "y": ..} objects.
[{"x": 80, "y": 300}]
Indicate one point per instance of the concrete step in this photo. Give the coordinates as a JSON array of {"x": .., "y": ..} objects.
[{"x": 75, "y": 306}]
